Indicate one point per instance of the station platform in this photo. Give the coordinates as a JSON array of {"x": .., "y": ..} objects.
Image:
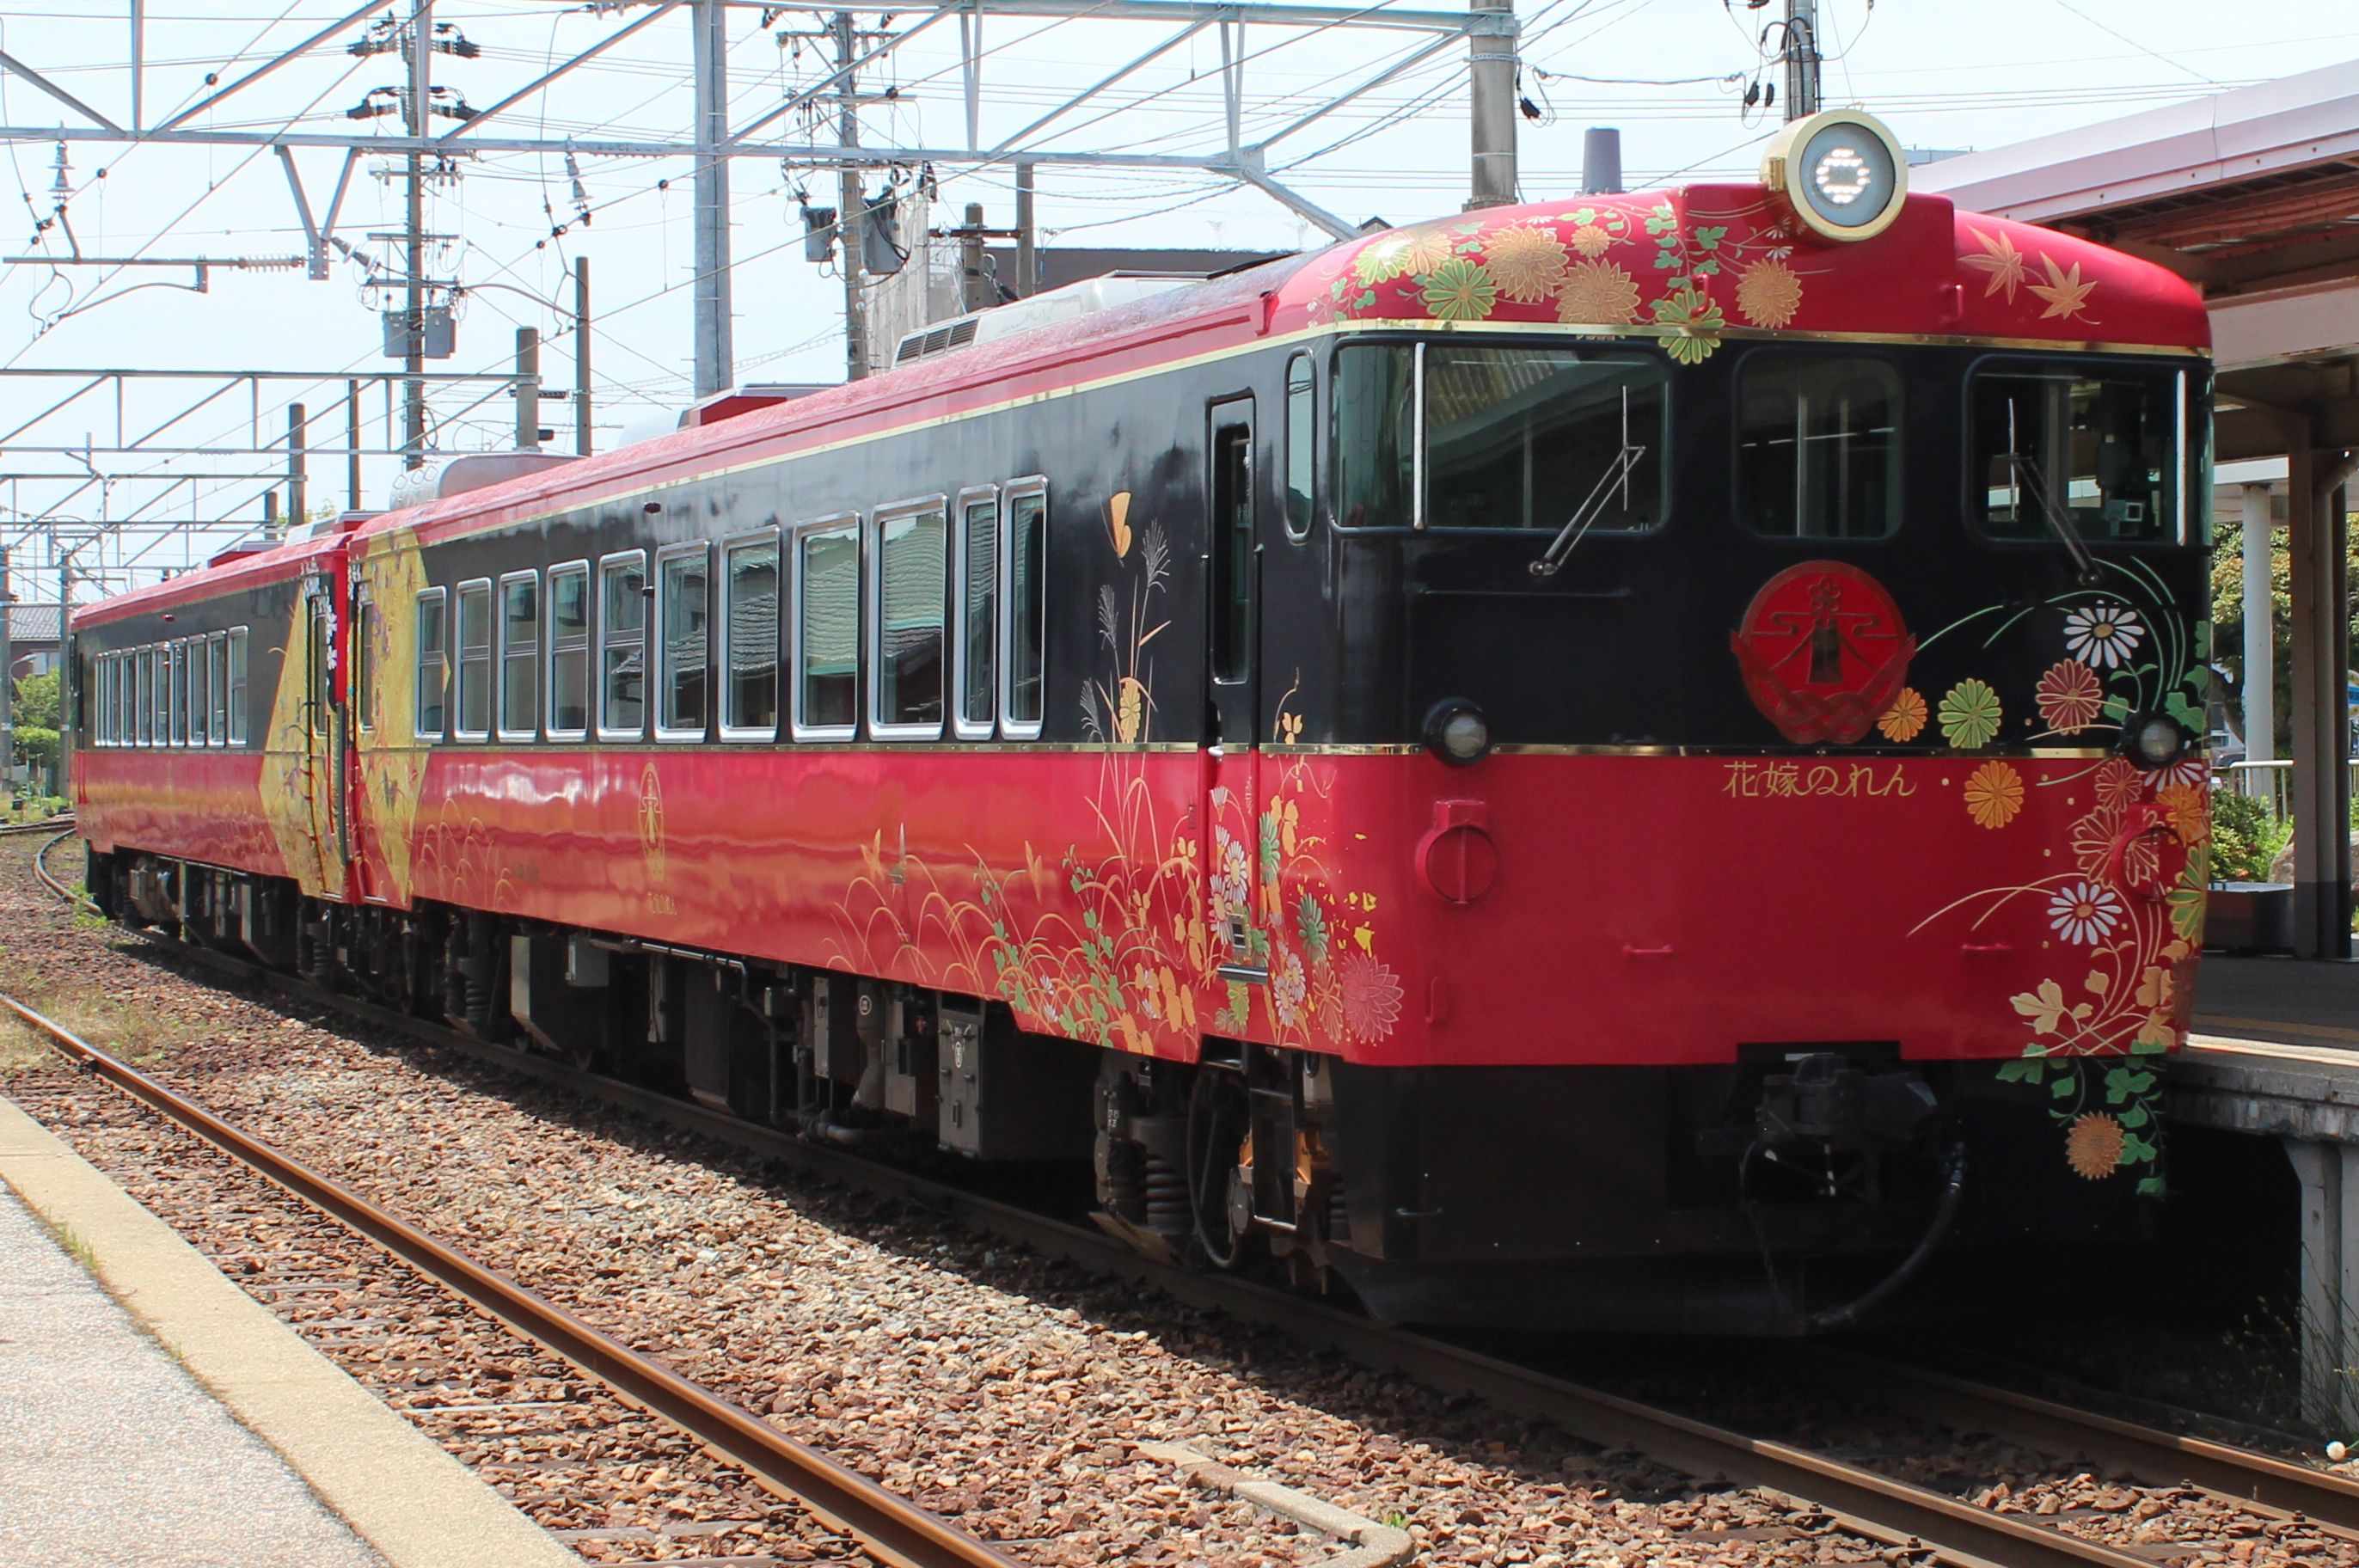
[
  {"x": 2274, "y": 1054},
  {"x": 152, "y": 1414}
]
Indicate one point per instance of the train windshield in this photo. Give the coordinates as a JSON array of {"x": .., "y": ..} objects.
[
  {"x": 1511, "y": 438},
  {"x": 2091, "y": 458}
]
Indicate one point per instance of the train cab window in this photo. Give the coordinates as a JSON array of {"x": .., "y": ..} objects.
[
  {"x": 976, "y": 636},
  {"x": 2060, "y": 451},
  {"x": 1818, "y": 446},
  {"x": 906, "y": 665},
  {"x": 568, "y": 651},
  {"x": 827, "y": 631},
  {"x": 749, "y": 638},
  {"x": 683, "y": 644},
  {"x": 1445, "y": 436},
  {"x": 1302, "y": 443},
  {"x": 433, "y": 662},
  {"x": 1023, "y": 655},
  {"x": 177, "y": 698},
  {"x": 519, "y": 703},
  {"x": 622, "y": 646},
  {"x": 217, "y": 685},
  {"x": 238, "y": 686}
]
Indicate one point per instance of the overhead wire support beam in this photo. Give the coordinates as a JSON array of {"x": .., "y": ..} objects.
[
  {"x": 664, "y": 8},
  {"x": 15, "y": 67}
]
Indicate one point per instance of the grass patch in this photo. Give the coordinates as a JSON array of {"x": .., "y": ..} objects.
[{"x": 66, "y": 1236}]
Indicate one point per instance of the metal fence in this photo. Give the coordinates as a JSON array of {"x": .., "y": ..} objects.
[{"x": 2273, "y": 782}]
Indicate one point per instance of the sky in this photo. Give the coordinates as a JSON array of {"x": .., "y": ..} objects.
[{"x": 1672, "y": 74}]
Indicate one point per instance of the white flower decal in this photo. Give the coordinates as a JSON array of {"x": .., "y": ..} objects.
[
  {"x": 2192, "y": 772},
  {"x": 2084, "y": 912},
  {"x": 1232, "y": 877},
  {"x": 2104, "y": 636}
]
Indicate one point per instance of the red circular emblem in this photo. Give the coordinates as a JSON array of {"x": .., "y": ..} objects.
[{"x": 1823, "y": 650}]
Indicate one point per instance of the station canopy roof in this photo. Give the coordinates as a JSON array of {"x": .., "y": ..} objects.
[{"x": 2253, "y": 195}]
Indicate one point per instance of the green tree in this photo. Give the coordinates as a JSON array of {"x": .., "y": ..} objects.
[
  {"x": 35, "y": 716},
  {"x": 2228, "y": 617}
]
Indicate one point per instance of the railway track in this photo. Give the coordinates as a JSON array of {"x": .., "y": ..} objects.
[
  {"x": 1860, "y": 1499},
  {"x": 894, "y": 1530}
]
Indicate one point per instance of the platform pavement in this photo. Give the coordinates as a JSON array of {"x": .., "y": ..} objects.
[{"x": 157, "y": 1415}]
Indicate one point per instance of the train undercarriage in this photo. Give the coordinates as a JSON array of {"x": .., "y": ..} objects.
[{"x": 1797, "y": 1187}]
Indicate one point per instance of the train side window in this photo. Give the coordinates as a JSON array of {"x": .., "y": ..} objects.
[
  {"x": 238, "y": 686},
  {"x": 163, "y": 694},
  {"x": 433, "y": 662},
  {"x": 568, "y": 651},
  {"x": 472, "y": 701},
  {"x": 217, "y": 688},
  {"x": 749, "y": 638},
  {"x": 906, "y": 618},
  {"x": 363, "y": 675},
  {"x": 1025, "y": 596},
  {"x": 827, "y": 631},
  {"x": 142, "y": 703},
  {"x": 976, "y": 634},
  {"x": 200, "y": 695},
  {"x": 519, "y": 655},
  {"x": 176, "y": 714},
  {"x": 622, "y": 646},
  {"x": 683, "y": 643},
  {"x": 1302, "y": 443},
  {"x": 1818, "y": 446}
]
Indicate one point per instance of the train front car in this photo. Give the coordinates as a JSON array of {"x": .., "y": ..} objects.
[{"x": 1741, "y": 824}]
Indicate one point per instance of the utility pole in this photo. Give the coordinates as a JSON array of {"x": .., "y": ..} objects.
[
  {"x": 972, "y": 296},
  {"x": 527, "y": 389},
  {"x": 1801, "y": 59},
  {"x": 298, "y": 501},
  {"x": 8, "y": 664},
  {"x": 1027, "y": 279},
  {"x": 1492, "y": 78},
  {"x": 413, "y": 359},
  {"x": 716, "y": 365},
  {"x": 581, "y": 356},
  {"x": 850, "y": 213}
]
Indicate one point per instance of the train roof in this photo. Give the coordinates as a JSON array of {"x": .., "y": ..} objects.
[
  {"x": 242, "y": 570},
  {"x": 1691, "y": 267}
]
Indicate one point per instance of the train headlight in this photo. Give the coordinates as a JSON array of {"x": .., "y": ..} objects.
[
  {"x": 2154, "y": 741},
  {"x": 1843, "y": 171},
  {"x": 1458, "y": 732}
]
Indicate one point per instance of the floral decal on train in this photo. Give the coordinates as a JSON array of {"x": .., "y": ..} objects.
[
  {"x": 1640, "y": 263},
  {"x": 1119, "y": 942},
  {"x": 2121, "y": 919}
]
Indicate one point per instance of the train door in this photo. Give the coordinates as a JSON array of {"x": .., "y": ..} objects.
[
  {"x": 1230, "y": 760},
  {"x": 324, "y": 741}
]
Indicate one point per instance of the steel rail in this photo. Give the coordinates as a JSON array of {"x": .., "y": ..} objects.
[
  {"x": 11, "y": 830},
  {"x": 891, "y": 1528},
  {"x": 1880, "y": 1508},
  {"x": 2149, "y": 1453},
  {"x": 1863, "y": 1501}
]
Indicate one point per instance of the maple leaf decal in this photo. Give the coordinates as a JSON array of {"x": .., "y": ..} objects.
[
  {"x": 2066, "y": 295},
  {"x": 2001, "y": 260}
]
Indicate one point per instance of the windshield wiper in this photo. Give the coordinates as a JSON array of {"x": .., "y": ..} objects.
[
  {"x": 1617, "y": 476},
  {"x": 2060, "y": 523}
]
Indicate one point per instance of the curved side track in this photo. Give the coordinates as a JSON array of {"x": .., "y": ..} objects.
[
  {"x": 2152, "y": 1455},
  {"x": 1862, "y": 1500},
  {"x": 895, "y": 1530}
]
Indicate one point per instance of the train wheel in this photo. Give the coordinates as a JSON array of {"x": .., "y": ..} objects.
[{"x": 1219, "y": 1121}]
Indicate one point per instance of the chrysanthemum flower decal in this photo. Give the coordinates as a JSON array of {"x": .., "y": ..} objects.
[
  {"x": 1905, "y": 718},
  {"x": 2103, "y": 635},
  {"x": 1994, "y": 794},
  {"x": 2085, "y": 912},
  {"x": 1970, "y": 714},
  {"x": 2070, "y": 698}
]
